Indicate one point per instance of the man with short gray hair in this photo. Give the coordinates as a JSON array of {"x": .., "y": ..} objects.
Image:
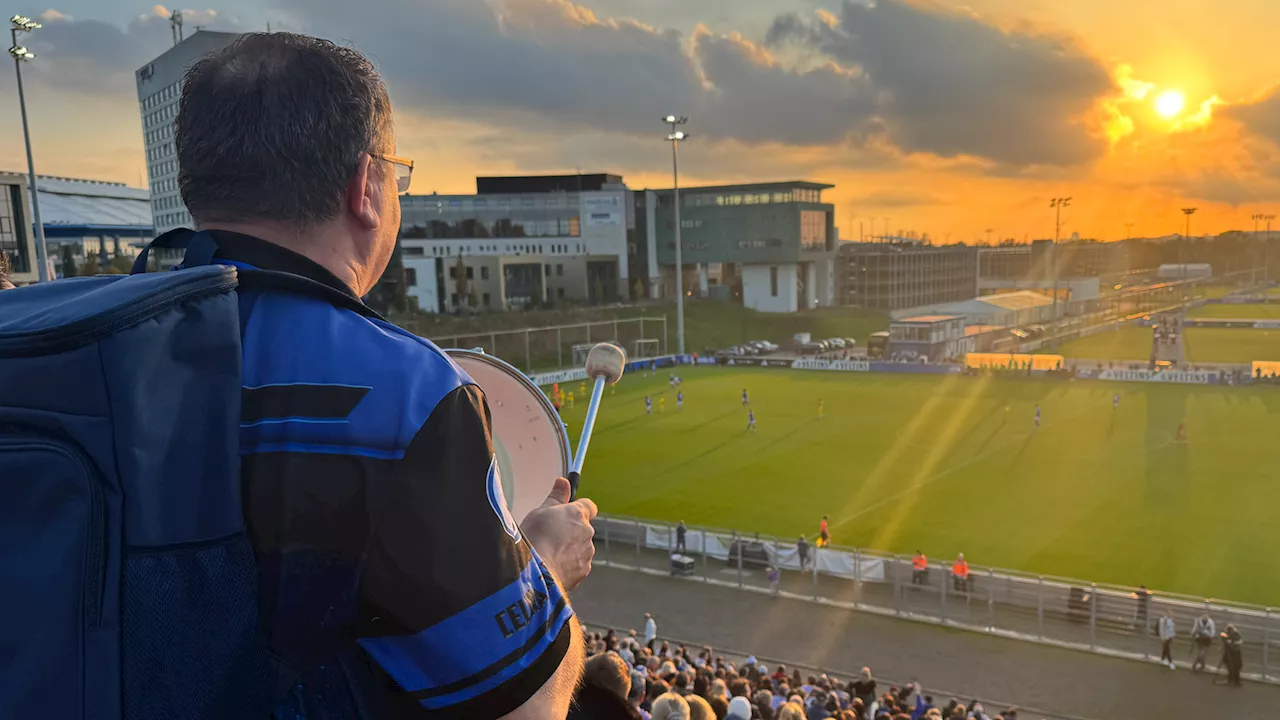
[{"x": 365, "y": 452}]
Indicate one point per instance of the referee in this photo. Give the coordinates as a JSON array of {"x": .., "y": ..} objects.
[{"x": 393, "y": 581}]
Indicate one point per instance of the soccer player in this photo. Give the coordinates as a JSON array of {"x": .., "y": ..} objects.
[
  {"x": 662, "y": 403},
  {"x": 824, "y": 537},
  {"x": 582, "y": 388},
  {"x": 745, "y": 402},
  {"x": 751, "y": 420},
  {"x": 819, "y": 408},
  {"x": 1182, "y": 432},
  {"x": 571, "y": 400},
  {"x": 648, "y": 405},
  {"x": 679, "y": 400},
  {"x": 1037, "y": 416},
  {"x": 1115, "y": 401}
]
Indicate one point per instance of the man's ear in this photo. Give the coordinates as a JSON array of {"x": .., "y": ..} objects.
[{"x": 364, "y": 194}]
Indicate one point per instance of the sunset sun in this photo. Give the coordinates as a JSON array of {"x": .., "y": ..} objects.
[{"x": 1170, "y": 103}]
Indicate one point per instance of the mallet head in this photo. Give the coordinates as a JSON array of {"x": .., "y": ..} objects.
[{"x": 608, "y": 361}]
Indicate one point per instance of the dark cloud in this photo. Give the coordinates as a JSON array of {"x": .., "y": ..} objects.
[
  {"x": 99, "y": 58},
  {"x": 1261, "y": 117},
  {"x": 510, "y": 59},
  {"x": 952, "y": 84}
]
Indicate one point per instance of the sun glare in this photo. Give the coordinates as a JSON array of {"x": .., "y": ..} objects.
[{"x": 1169, "y": 103}]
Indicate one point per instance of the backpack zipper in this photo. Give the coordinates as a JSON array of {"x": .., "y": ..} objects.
[{"x": 71, "y": 336}]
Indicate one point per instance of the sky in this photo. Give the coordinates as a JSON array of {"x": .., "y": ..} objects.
[{"x": 959, "y": 120}]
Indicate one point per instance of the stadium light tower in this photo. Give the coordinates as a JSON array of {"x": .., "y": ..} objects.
[
  {"x": 1057, "y": 204},
  {"x": 1186, "y": 238},
  {"x": 20, "y": 24},
  {"x": 677, "y": 136}
]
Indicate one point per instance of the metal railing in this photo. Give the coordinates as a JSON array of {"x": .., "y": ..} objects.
[{"x": 1097, "y": 617}]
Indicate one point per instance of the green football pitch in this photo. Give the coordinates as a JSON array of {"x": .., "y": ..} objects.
[
  {"x": 1204, "y": 345},
  {"x": 1242, "y": 311},
  {"x": 955, "y": 464}
]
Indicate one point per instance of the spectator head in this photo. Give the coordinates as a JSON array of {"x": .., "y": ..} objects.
[
  {"x": 790, "y": 711},
  {"x": 1011, "y": 714},
  {"x": 608, "y": 672},
  {"x": 865, "y": 675},
  {"x": 795, "y": 678},
  {"x": 670, "y": 706},
  {"x": 291, "y": 136},
  {"x": 699, "y": 708},
  {"x": 739, "y": 709},
  {"x": 656, "y": 689},
  {"x": 763, "y": 697},
  {"x": 653, "y": 663},
  {"x": 719, "y": 705},
  {"x": 718, "y": 689},
  {"x": 638, "y": 686},
  {"x": 701, "y": 684},
  {"x": 781, "y": 671},
  {"x": 739, "y": 688},
  {"x": 813, "y": 680}
]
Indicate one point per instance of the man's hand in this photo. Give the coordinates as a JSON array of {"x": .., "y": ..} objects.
[{"x": 561, "y": 532}]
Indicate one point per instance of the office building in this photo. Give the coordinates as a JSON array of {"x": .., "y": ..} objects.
[
  {"x": 894, "y": 276},
  {"x": 518, "y": 242},
  {"x": 769, "y": 245},
  {"x": 159, "y": 88},
  {"x": 17, "y": 241}
]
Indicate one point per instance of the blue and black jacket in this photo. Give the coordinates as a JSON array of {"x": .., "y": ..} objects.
[{"x": 391, "y": 584}]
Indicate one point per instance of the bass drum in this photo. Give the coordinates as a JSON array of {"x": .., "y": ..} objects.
[{"x": 529, "y": 439}]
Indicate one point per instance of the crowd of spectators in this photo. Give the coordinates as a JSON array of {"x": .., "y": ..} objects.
[{"x": 628, "y": 678}]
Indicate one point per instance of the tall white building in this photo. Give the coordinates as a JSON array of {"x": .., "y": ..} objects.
[{"x": 159, "y": 87}]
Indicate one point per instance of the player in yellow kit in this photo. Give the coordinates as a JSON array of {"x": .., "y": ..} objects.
[
  {"x": 662, "y": 403},
  {"x": 819, "y": 408}
]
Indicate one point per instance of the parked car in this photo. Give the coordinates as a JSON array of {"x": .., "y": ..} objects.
[
  {"x": 836, "y": 343},
  {"x": 850, "y": 342},
  {"x": 810, "y": 348}
]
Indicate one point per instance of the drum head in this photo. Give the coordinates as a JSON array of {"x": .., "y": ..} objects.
[{"x": 528, "y": 437}]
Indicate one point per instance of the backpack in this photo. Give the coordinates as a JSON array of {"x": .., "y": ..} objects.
[{"x": 128, "y": 587}]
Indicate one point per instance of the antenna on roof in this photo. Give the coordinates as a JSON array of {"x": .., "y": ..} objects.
[{"x": 175, "y": 26}]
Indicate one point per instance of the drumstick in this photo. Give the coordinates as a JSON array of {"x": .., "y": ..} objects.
[{"x": 605, "y": 363}]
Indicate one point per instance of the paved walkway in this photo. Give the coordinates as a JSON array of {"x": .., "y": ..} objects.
[{"x": 1053, "y": 679}]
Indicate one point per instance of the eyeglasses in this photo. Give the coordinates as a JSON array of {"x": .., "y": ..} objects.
[{"x": 404, "y": 170}]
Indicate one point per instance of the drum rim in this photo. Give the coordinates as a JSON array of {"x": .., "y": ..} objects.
[{"x": 529, "y": 384}]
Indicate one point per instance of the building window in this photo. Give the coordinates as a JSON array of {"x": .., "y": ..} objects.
[
  {"x": 560, "y": 293},
  {"x": 471, "y": 273},
  {"x": 411, "y": 277},
  {"x": 486, "y": 299},
  {"x": 484, "y": 275},
  {"x": 548, "y": 269},
  {"x": 773, "y": 281},
  {"x": 453, "y": 299},
  {"x": 559, "y": 270}
]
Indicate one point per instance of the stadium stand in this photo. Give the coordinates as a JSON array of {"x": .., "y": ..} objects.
[{"x": 680, "y": 679}]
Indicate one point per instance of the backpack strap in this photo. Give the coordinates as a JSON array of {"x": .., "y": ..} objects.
[{"x": 201, "y": 247}]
